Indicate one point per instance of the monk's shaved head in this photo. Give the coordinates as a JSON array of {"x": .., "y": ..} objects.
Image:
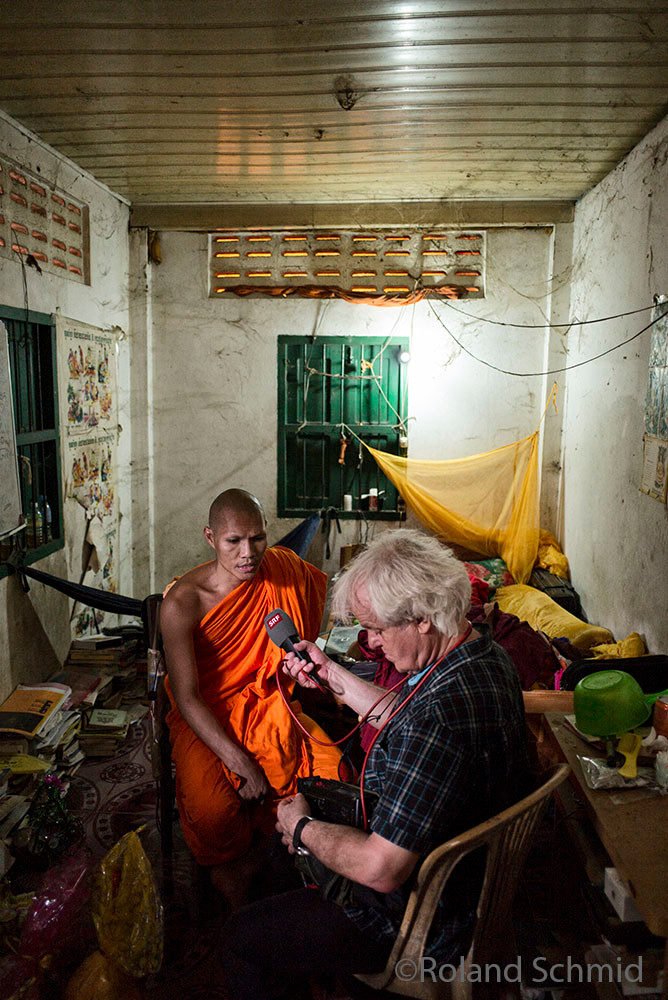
[{"x": 233, "y": 502}]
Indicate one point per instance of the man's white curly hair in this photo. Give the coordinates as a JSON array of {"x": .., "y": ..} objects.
[{"x": 406, "y": 576}]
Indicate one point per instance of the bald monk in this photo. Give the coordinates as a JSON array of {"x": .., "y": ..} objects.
[{"x": 236, "y": 748}]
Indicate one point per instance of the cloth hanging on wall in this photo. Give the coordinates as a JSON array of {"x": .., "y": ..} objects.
[{"x": 300, "y": 538}]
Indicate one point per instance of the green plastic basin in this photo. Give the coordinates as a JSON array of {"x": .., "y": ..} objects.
[{"x": 609, "y": 703}]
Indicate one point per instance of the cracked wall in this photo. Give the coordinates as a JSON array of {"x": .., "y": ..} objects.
[
  {"x": 214, "y": 392},
  {"x": 36, "y": 625},
  {"x": 616, "y": 537}
]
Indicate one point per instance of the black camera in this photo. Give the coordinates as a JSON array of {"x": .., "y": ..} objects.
[{"x": 337, "y": 801}]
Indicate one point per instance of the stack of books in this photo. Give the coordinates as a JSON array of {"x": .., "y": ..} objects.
[
  {"x": 103, "y": 731},
  {"x": 100, "y": 669},
  {"x": 110, "y": 651},
  {"x": 31, "y": 709},
  {"x": 59, "y": 744},
  {"x": 32, "y": 725},
  {"x": 87, "y": 686},
  {"x": 86, "y": 709}
]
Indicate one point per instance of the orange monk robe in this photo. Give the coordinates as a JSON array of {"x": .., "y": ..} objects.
[{"x": 236, "y": 666}]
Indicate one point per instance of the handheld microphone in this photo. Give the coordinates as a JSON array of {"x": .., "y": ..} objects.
[{"x": 282, "y": 631}]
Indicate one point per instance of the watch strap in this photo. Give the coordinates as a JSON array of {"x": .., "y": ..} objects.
[{"x": 297, "y": 835}]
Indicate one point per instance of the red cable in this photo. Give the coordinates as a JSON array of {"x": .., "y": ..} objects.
[
  {"x": 363, "y": 719},
  {"x": 398, "y": 709},
  {"x": 368, "y": 713}
]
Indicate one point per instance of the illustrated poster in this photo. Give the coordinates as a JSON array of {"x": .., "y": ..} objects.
[
  {"x": 654, "y": 462},
  {"x": 656, "y": 402},
  {"x": 89, "y": 432}
]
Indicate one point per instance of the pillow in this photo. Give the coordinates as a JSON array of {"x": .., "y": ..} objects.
[
  {"x": 545, "y": 615},
  {"x": 494, "y": 572}
]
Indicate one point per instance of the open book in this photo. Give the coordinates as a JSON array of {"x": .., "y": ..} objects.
[{"x": 29, "y": 706}]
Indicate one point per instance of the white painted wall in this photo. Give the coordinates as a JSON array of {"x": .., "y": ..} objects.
[
  {"x": 213, "y": 381},
  {"x": 36, "y": 626},
  {"x": 198, "y": 403},
  {"x": 616, "y": 538},
  {"x": 462, "y": 407}
]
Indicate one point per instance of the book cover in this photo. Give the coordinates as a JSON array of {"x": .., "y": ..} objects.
[
  {"x": 99, "y": 641},
  {"x": 85, "y": 686},
  {"x": 23, "y": 763},
  {"x": 106, "y": 718},
  {"x": 28, "y": 707}
]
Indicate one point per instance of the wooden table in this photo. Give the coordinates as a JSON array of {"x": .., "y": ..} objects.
[{"x": 632, "y": 825}]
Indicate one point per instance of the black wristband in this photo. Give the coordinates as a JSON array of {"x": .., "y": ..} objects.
[{"x": 297, "y": 835}]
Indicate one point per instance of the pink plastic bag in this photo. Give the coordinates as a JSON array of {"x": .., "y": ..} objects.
[{"x": 59, "y": 919}]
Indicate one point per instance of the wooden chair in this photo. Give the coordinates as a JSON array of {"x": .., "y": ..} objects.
[
  {"x": 507, "y": 837},
  {"x": 161, "y": 756}
]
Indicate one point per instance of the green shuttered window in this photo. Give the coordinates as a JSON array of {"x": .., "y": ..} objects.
[
  {"x": 322, "y": 384},
  {"x": 32, "y": 362}
]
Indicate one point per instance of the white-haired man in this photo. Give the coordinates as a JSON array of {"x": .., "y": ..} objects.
[{"x": 450, "y": 753}]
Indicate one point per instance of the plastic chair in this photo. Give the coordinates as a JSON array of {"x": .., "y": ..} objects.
[
  {"x": 507, "y": 837},
  {"x": 161, "y": 755}
]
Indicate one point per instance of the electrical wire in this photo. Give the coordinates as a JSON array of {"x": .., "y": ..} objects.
[
  {"x": 541, "y": 326},
  {"x": 550, "y": 371},
  {"x": 425, "y": 676},
  {"x": 367, "y": 717},
  {"x": 343, "y": 376}
]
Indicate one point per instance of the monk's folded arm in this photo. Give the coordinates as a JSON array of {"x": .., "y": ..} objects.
[{"x": 363, "y": 857}]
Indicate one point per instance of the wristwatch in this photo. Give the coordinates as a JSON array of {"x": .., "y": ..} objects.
[{"x": 297, "y": 836}]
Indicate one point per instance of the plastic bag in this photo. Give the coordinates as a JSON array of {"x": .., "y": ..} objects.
[
  {"x": 599, "y": 775},
  {"x": 57, "y": 917},
  {"x": 98, "y": 978},
  {"x": 126, "y": 909}
]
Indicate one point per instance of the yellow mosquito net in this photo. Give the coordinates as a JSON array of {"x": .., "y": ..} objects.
[{"x": 488, "y": 503}]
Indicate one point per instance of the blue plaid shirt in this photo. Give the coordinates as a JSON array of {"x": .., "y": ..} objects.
[{"x": 453, "y": 757}]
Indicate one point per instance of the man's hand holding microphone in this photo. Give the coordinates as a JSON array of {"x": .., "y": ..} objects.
[{"x": 304, "y": 661}]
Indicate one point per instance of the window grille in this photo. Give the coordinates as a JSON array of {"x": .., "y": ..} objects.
[
  {"x": 373, "y": 263},
  {"x": 43, "y": 223},
  {"x": 32, "y": 363},
  {"x": 358, "y": 382}
]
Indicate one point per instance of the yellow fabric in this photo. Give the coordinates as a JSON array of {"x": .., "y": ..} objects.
[
  {"x": 550, "y": 556},
  {"x": 545, "y": 615},
  {"x": 633, "y": 645},
  {"x": 488, "y": 503}
]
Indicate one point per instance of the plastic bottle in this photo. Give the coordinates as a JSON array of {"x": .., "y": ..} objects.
[
  {"x": 38, "y": 521},
  {"x": 30, "y": 530},
  {"x": 49, "y": 520}
]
